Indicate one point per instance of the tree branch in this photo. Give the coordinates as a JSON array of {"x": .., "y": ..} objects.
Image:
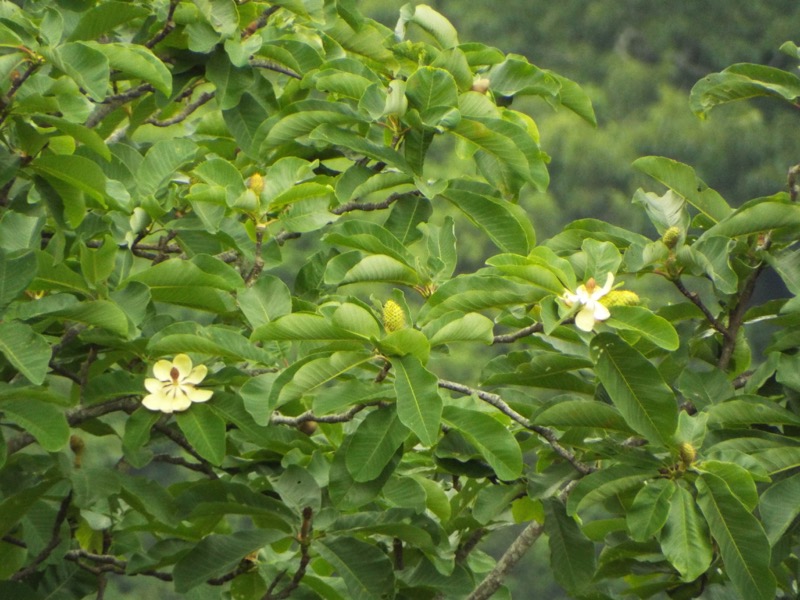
[
  {"x": 169, "y": 25},
  {"x": 181, "y": 441},
  {"x": 272, "y": 66},
  {"x": 548, "y": 434},
  {"x": 694, "y": 298},
  {"x": 55, "y": 540},
  {"x": 370, "y": 206},
  {"x": 513, "y": 337},
  {"x": 279, "y": 419},
  {"x": 77, "y": 416},
  {"x": 304, "y": 538},
  {"x": 260, "y": 22},
  {"x": 185, "y": 113},
  {"x": 492, "y": 582}
]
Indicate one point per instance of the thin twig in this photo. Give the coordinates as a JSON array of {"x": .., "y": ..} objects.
[
  {"x": 304, "y": 538},
  {"x": 185, "y": 113},
  {"x": 55, "y": 540},
  {"x": 467, "y": 546},
  {"x": 169, "y": 25},
  {"x": 260, "y": 22},
  {"x": 370, "y": 206},
  {"x": 77, "y": 416},
  {"x": 736, "y": 318},
  {"x": 513, "y": 337},
  {"x": 181, "y": 441},
  {"x": 112, "y": 102},
  {"x": 279, "y": 419},
  {"x": 272, "y": 66},
  {"x": 548, "y": 434},
  {"x": 492, "y": 582},
  {"x": 694, "y": 298}
]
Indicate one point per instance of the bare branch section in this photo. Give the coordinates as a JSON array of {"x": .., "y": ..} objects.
[
  {"x": 260, "y": 22},
  {"x": 694, "y": 298},
  {"x": 308, "y": 416},
  {"x": 202, "y": 99},
  {"x": 507, "y": 338},
  {"x": 169, "y": 25},
  {"x": 260, "y": 63},
  {"x": 548, "y": 434},
  {"x": 77, "y": 416},
  {"x": 369, "y": 206},
  {"x": 492, "y": 582}
]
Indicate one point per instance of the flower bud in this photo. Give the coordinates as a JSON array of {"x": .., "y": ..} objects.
[
  {"x": 393, "y": 316},
  {"x": 256, "y": 183},
  {"x": 480, "y": 85},
  {"x": 620, "y": 298},
  {"x": 671, "y": 237},
  {"x": 688, "y": 453},
  {"x": 396, "y": 101}
]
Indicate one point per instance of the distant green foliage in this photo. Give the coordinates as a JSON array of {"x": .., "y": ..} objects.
[{"x": 249, "y": 348}]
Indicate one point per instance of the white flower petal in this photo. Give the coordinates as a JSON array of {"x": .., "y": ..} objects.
[
  {"x": 197, "y": 395},
  {"x": 181, "y": 402},
  {"x": 157, "y": 402},
  {"x": 600, "y": 312},
  {"x": 585, "y": 319},
  {"x": 608, "y": 284},
  {"x": 184, "y": 365},
  {"x": 154, "y": 386},
  {"x": 197, "y": 375},
  {"x": 161, "y": 370}
]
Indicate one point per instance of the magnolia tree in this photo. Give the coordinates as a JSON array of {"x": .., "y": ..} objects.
[{"x": 241, "y": 357}]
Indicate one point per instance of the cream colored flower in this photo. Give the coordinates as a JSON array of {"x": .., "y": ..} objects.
[
  {"x": 588, "y": 296},
  {"x": 173, "y": 388}
]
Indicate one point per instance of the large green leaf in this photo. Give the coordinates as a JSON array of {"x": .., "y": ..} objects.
[
  {"x": 348, "y": 494},
  {"x": 45, "y": 421},
  {"x": 684, "y": 539},
  {"x": 137, "y": 62},
  {"x": 217, "y": 554},
  {"x": 572, "y": 555},
  {"x": 419, "y": 405},
  {"x": 302, "y": 326},
  {"x": 778, "y": 507},
  {"x": 76, "y": 171},
  {"x": 265, "y": 301},
  {"x": 300, "y": 119},
  {"x": 682, "y": 180},
  {"x": 741, "y": 82},
  {"x": 17, "y": 270},
  {"x": 596, "y": 487},
  {"x": 507, "y": 225},
  {"x": 161, "y": 162},
  {"x": 366, "y": 570},
  {"x": 13, "y": 508},
  {"x": 185, "y": 283},
  {"x": 319, "y": 372},
  {"x": 105, "y": 17},
  {"x": 99, "y": 313},
  {"x": 371, "y": 238},
  {"x": 741, "y": 539},
  {"x": 581, "y": 413},
  {"x": 205, "y": 431},
  {"x": 758, "y": 215},
  {"x": 26, "y": 350},
  {"x": 352, "y": 268},
  {"x": 636, "y": 388},
  {"x": 83, "y": 134},
  {"x": 472, "y": 293},
  {"x": 650, "y": 508},
  {"x": 429, "y": 87},
  {"x": 491, "y": 438},
  {"x": 455, "y": 327},
  {"x": 430, "y": 21},
  {"x": 648, "y": 325},
  {"x": 86, "y": 65},
  {"x": 374, "y": 444}
]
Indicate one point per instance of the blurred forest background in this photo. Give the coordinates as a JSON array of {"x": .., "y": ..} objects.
[{"x": 637, "y": 60}]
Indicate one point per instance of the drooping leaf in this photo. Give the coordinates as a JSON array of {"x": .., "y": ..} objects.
[
  {"x": 205, "y": 431},
  {"x": 572, "y": 555},
  {"x": 419, "y": 405},
  {"x": 490, "y": 437},
  {"x": 374, "y": 444},
  {"x": 636, "y": 388},
  {"x": 366, "y": 570},
  {"x": 26, "y": 350},
  {"x": 742, "y": 542},
  {"x": 684, "y": 539}
]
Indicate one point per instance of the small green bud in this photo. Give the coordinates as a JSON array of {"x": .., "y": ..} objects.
[
  {"x": 393, "y": 316},
  {"x": 671, "y": 237}
]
